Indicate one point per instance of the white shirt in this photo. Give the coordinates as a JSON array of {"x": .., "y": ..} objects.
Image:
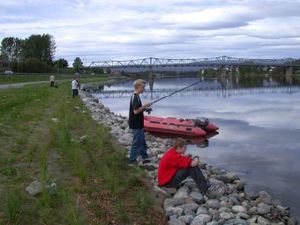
[
  {"x": 52, "y": 78},
  {"x": 74, "y": 84}
]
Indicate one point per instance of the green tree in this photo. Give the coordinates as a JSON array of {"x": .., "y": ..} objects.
[
  {"x": 61, "y": 63},
  {"x": 77, "y": 64},
  {"x": 41, "y": 47},
  {"x": 12, "y": 49}
]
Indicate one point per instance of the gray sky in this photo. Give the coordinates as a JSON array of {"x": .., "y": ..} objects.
[{"x": 131, "y": 29}]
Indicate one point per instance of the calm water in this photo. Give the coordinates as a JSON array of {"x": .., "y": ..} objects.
[{"x": 259, "y": 126}]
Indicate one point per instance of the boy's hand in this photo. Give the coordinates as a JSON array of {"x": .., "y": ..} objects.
[{"x": 195, "y": 162}]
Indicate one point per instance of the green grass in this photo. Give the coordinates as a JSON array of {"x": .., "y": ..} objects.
[
  {"x": 91, "y": 182},
  {"x": 16, "y": 78}
]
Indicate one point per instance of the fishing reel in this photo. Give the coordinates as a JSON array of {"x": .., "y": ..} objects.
[{"x": 148, "y": 110}]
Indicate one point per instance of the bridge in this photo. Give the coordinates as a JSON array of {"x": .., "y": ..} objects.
[{"x": 163, "y": 64}]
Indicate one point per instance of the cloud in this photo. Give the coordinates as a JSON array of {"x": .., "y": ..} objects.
[{"x": 104, "y": 29}]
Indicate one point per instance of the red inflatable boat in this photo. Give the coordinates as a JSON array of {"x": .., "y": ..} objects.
[{"x": 184, "y": 127}]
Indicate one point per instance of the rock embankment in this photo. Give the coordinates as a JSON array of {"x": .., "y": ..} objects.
[{"x": 226, "y": 202}]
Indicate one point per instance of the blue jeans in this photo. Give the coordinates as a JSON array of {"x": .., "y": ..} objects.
[{"x": 139, "y": 146}]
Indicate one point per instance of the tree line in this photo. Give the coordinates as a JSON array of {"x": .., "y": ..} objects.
[{"x": 34, "y": 54}]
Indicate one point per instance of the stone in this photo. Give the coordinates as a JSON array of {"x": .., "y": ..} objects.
[
  {"x": 284, "y": 211},
  {"x": 175, "y": 222},
  {"x": 187, "y": 219},
  {"x": 252, "y": 210},
  {"x": 217, "y": 188},
  {"x": 213, "y": 203},
  {"x": 197, "y": 197},
  {"x": 292, "y": 221},
  {"x": 263, "y": 221},
  {"x": 34, "y": 188},
  {"x": 240, "y": 185},
  {"x": 243, "y": 215},
  {"x": 201, "y": 219},
  {"x": 190, "y": 206},
  {"x": 265, "y": 197},
  {"x": 169, "y": 190},
  {"x": 182, "y": 193},
  {"x": 224, "y": 209},
  {"x": 228, "y": 177},
  {"x": 202, "y": 210},
  {"x": 213, "y": 223},
  {"x": 174, "y": 211},
  {"x": 84, "y": 139},
  {"x": 55, "y": 120},
  {"x": 263, "y": 208},
  {"x": 225, "y": 215},
  {"x": 173, "y": 202},
  {"x": 238, "y": 208},
  {"x": 236, "y": 221}
]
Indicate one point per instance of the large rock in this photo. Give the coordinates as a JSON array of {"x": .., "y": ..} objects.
[{"x": 182, "y": 192}]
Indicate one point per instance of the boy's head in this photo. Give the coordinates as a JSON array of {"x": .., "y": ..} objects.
[
  {"x": 179, "y": 144},
  {"x": 139, "y": 85}
]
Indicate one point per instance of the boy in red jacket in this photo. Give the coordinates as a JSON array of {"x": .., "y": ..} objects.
[{"x": 174, "y": 167}]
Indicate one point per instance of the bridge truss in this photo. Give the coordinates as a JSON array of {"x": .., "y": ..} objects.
[{"x": 152, "y": 62}]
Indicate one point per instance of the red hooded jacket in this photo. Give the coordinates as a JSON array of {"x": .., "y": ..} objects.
[{"x": 169, "y": 164}]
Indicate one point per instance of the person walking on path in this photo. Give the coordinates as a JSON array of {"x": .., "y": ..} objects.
[
  {"x": 136, "y": 123},
  {"x": 75, "y": 87},
  {"x": 52, "y": 80},
  {"x": 175, "y": 166}
]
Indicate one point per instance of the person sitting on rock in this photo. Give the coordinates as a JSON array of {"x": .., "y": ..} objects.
[{"x": 175, "y": 166}]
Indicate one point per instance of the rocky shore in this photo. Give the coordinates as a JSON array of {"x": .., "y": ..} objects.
[{"x": 226, "y": 202}]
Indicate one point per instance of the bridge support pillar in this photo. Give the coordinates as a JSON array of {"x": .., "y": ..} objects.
[
  {"x": 289, "y": 75},
  {"x": 223, "y": 71},
  {"x": 289, "y": 71},
  {"x": 151, "y": 80}
]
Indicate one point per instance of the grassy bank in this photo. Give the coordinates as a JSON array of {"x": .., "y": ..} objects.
[
  {"x": 17, "y": 78},
  {"x": 84, "y": 182}
]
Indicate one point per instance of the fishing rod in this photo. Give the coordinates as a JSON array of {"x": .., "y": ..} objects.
[
  {"x": 157, "y": 100},
  {"x": 149, "y": 109}
]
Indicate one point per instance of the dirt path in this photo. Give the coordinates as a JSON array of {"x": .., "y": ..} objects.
[{"x": 20, "y": 85}]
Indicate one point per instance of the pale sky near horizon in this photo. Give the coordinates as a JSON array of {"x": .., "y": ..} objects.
[{"x": 130, "y": 29}]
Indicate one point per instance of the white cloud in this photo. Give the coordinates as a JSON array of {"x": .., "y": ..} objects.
[{"x": 169, "y": 28}]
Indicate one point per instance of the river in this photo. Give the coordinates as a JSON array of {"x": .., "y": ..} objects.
[{"x": 259, "y": 136}]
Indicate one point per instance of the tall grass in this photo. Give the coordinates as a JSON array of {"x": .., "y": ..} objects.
[{"x": 13, "y": 209}]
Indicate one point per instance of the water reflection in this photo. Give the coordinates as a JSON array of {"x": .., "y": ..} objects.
[
  {"x": 258, "y": 119},
  {"x": 225, "y": 86}
]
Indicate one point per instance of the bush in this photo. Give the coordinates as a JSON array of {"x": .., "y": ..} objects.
[{"x": 31, "y": 65}]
